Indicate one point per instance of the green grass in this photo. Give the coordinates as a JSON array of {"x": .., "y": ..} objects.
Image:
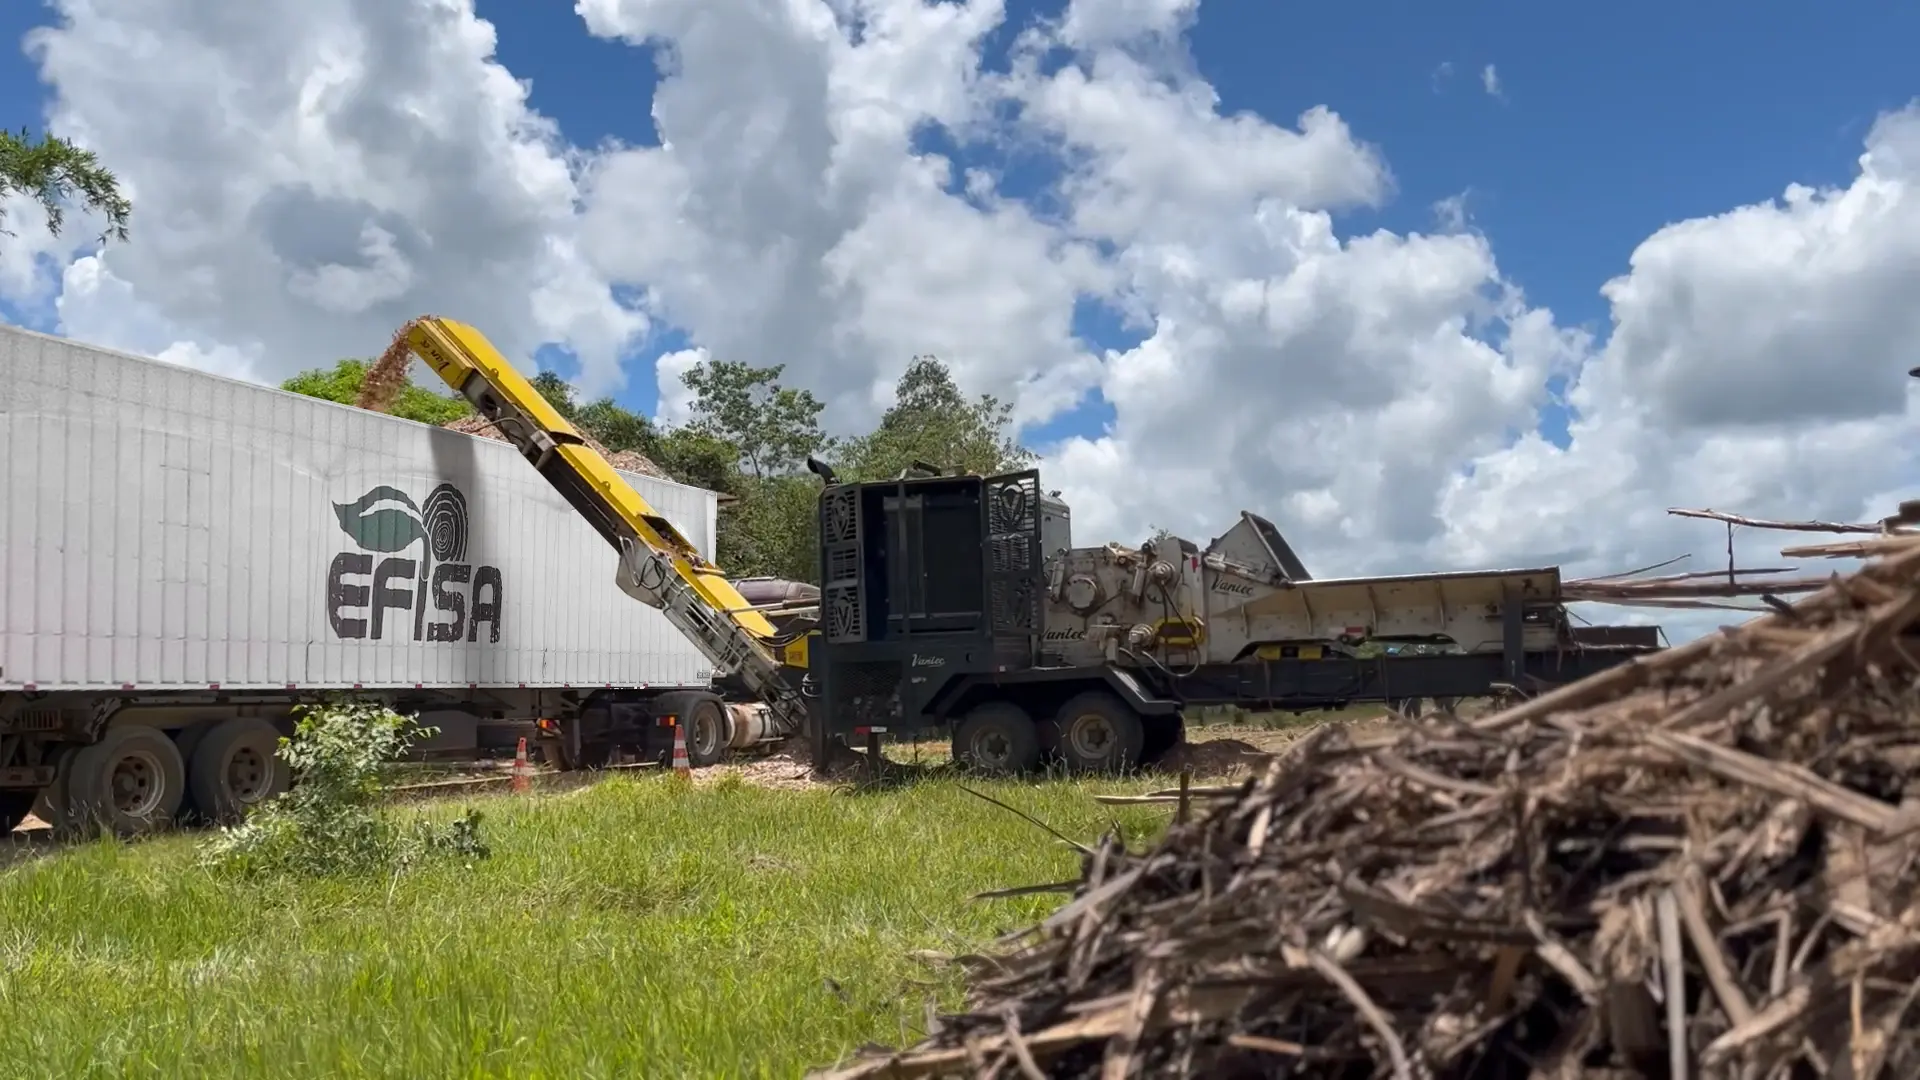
[{"x": 635, "y": 928}]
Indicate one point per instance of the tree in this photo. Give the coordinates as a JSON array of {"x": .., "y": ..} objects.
[
  {"x": 612, "y": 425},
  {"x": 770, "y": 530},
  {"x": 697, "y": 458},
  {"x": 749, "y": 437},
  {"x": 774, "y": 427},
  {"x": 342, "y": 384},
  {"x": 557, "y": 391},
  {"x": 933, "y": 422},
  {"x": 52, "y": 170}
]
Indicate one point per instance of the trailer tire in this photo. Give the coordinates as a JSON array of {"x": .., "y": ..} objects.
[
  {"x": 1099, "y": 733},
  {"x": 15, "y": 805},
  {"x": 132, "y": 782},
  {"x": 997, "y": 738},
  {"x": 236, "y": 767},
  {"x": 706, "y": 721}
]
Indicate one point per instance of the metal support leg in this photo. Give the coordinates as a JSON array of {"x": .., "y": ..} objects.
[{"x": 1513, "y": 638}]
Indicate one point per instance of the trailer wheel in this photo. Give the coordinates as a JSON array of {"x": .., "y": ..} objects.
[
  {"x": 706, "y": 721},
  {"x": 997, "y": 738},
  {"x": 236, "y": 767},
  {"x": 131, "y": 782},
  {"x": 1099, "y": 733},
  {"x": 15, "y": 805}
]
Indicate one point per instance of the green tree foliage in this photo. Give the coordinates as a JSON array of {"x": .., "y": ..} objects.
[
  {"x": 771, "y": 529},
  {"x": 768, "y": 430},
  {"x": 342, "y": 383},
  {"x": 610, "y": 424},
  {"x": 557, "y": 391},
  {"x": 698, "y": 458},
  {"x": 774, "y": 427},
  {"x": 931, "y": 421},
  {"x": 52, "y": 170}
]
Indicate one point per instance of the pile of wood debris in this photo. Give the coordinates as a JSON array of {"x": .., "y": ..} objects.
[{"x": 1702, "y": 864}]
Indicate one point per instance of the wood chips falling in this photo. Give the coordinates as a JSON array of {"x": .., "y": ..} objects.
[
  {"x": 388, "y": 376},
  {"x": 1702, "y": 864}
]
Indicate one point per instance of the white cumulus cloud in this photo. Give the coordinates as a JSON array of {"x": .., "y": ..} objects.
[
  {"x": 307, "y": 176},
  {"x": 1757, "y": 363}
]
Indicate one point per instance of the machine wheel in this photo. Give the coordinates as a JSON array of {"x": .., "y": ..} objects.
[
  {"x": 1099, "y": 733},
  {"x": 15, "y": 805},
  {"x": 706, "y": 721},
  {"x": 236, "y": 767},
  {"x": 132, "y": 781},
  {"x": 997, "y": 738}
]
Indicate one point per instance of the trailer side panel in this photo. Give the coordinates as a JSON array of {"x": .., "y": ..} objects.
[{"x": 166, "y": 529}]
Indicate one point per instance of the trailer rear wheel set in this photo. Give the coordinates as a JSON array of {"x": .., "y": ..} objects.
[{"x": 139, "y": 779}]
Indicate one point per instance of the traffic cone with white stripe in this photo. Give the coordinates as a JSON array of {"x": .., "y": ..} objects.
[
  {"x": 682, "y": 766},
  {"x": 522, "y": 772}
]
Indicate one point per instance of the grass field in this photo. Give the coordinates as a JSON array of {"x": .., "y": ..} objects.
[{"x": 633, "y": 928}]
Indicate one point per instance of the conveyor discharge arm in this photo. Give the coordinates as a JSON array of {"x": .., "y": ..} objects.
[{"x": 658, "y": 565}]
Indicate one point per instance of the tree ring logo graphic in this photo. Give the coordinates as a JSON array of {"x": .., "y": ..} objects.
[
  {"x": 444, "y": 519},
  {"x": 448, "y": 598},
  {"x": 442, "y": 522}
]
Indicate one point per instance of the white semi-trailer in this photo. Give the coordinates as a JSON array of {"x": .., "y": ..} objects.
[{"x": 184, "y": 558}]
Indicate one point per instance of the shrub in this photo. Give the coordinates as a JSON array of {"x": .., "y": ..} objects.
[{"x": 329, "y": 821}]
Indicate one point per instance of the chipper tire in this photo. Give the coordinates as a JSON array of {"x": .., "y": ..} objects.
[
  {"x": 997, "y": 739},
  {"x": 1097, "y": 732}
]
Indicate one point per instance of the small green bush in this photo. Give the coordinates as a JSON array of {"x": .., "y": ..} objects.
[{"x": 330, "y": 821}]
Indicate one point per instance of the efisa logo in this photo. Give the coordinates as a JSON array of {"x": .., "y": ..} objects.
[{"x": 387, "y": 522}]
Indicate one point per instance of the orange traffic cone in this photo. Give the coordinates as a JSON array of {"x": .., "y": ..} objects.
[
  {"x": 682, "y": 767},
  {"x": 522, "y": 772}
]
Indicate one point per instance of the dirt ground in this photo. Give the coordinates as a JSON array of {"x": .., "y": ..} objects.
[{"x": 1213, "y": 752}]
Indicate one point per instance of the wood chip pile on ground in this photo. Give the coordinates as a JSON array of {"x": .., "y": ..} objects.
[{"x": 1704, "y": 864}]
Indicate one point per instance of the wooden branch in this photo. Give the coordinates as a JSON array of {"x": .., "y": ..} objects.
[
  {"x": 1766, "y": 523},
  {"x": 1849, "y": 549},
  {"x": 1675, "y": 590}
]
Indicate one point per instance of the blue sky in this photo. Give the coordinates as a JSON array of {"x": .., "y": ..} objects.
[{"x": 1613, "y": 119}]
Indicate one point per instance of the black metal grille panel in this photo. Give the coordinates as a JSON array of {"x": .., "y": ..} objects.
[
  {"x": 1009, "y": 555},
  {"x": 1013, "y": 561},
  {"x": 840, "y": 615},
  {"x": 843, "y": 564},
  {"x": 842, "y": 602},
  {"x": 1013, "y": 504},
  {"x": 840, "y": 517},
  {"x": 1016, "y": 607}
]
